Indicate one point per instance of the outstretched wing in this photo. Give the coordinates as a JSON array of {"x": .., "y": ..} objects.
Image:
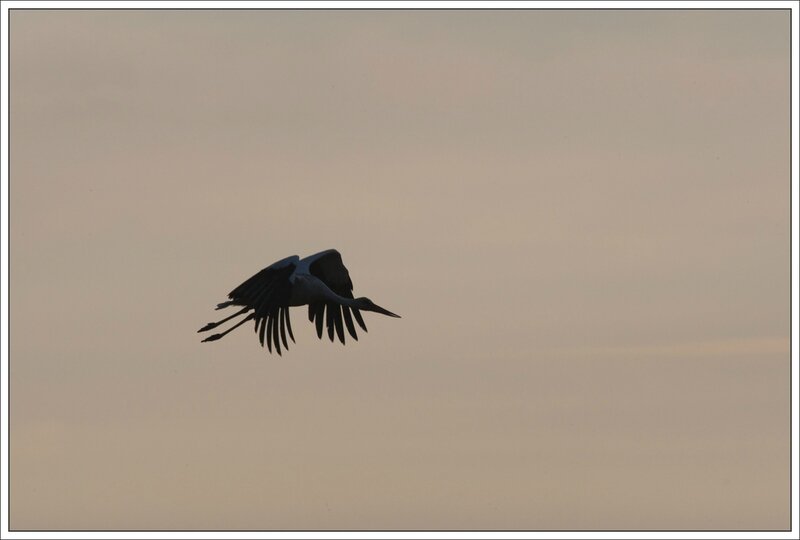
[
  {"x": 329, "y": 268},
  {"x": 269, "y": 286},
  {"x": 267, "y": 293}
]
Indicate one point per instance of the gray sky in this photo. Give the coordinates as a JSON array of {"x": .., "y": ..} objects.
[{"x": 583, "y": 218}]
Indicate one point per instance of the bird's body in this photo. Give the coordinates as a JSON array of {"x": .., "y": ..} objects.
[{"x": 320, "y": 281}]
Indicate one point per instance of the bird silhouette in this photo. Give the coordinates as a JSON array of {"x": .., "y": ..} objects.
[{"x": 320, "y": 281}]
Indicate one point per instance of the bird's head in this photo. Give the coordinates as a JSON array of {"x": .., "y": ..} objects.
[{"x": 366, "y": 304}]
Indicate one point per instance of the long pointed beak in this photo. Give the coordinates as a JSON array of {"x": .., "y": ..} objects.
[{"x": 379, "y": 309}]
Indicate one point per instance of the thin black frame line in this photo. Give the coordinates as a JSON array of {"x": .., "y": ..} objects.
[
  {"x": 791, "y": 244},
  {"x": 8, "y": 258},
  {"x": 401, "y": 8}
]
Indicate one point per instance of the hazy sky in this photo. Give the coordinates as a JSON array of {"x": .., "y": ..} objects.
[{"x": 583, "y": 218}]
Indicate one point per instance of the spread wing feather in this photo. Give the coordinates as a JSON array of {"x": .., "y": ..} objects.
[
  {"x": 348, "y": 320},
  {"x": 328, "y": 267},
  {"x": 267, "y": 294}
]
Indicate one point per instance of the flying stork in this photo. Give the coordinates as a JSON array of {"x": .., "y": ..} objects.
[{"x": 321, "y": 281}]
